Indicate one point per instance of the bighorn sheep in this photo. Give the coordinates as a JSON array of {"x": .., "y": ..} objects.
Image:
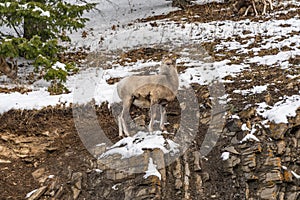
[
  {"x": 9, "y": 71},
  {"x": 148, "y": 91},
  {"x": 251, "y": 3},
  {"x": 265, "y": 6}
]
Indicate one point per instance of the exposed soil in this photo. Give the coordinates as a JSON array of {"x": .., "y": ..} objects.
[
  {"x": 21, "y": 90},
  {"x": 47, "y": 139},
  {"x": 218, "y": 11},
  {"x": 41, "y": 149}
]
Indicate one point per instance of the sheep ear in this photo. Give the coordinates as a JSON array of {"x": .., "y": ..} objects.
[
  {"x": 174, "y": 58},
  {"x": 174, "y": 61},
  {"x": 171, "y": 59}
]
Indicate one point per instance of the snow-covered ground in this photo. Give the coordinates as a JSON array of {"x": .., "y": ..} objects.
[
  {"x": 167, "y": 32},
  {"x": 143, "y": 34},
  {"x": 133, "y": 146}
]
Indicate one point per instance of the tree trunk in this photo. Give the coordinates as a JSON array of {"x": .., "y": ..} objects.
[{"x": 9, "y": 69}]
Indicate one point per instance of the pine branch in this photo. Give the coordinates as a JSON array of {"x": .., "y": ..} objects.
[{"x": 15, "y": 29}]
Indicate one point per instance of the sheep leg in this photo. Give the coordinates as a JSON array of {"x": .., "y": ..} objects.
[
  {"x": 265, "y": 7},
  {"x": 122, "y": 125},
  {"x": 254, "y": 8},
  {"x": 162, "y": 117},
  {"x": 235, "y": 8},
  {"x": 271, "y": 4},
  {"x": 153, "y": 109},
  {"x": 123, "y": 116},
  {"x": 246, "y": 12},
  {"x": 120, "y": 122}
]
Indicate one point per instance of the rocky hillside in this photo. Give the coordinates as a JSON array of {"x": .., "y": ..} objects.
[{"x": 244, "y": 142}]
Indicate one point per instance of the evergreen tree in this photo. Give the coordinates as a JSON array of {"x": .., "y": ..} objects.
[{"x": 38, "y": 26}]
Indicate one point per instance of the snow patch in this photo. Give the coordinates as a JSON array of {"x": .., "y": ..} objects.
[
  {"x": 32, "y": 100},
  {"x": 59, "y": 65},
  {"x": 255, "y": 90},
  {"x": 152, "y": 170},
  {"x": 245, "y": 128},
  {"x": 30, "y": 193},
  {"x": 295, "y": 175},
  {"x": 135, "y": 145},
  {"x": 98, "y": 170},
  {"x": 234, "y": 117},
  {"x": 249, "y": 137},
  {"x": 225, "y": 156},
  {"x": 284, "y": 167},
  {"x": 116, "y": 186},
  {"x": 43, "y": 13},
  {"x": 280, "y": 112},
  {"x": 51, "y": 176}
]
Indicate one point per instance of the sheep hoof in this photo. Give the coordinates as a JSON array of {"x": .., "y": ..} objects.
[
  {"x": 127, "y": 135},
  {"x": 120, "y": 135},
  {"x": 151, "y": 131},
  {"x": 123, "y": 136},
  {"x": 163, "y": 128}
]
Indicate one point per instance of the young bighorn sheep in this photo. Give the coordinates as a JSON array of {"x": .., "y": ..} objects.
[
  {"x": 265, "y": 6},
  {"x": 9, "y": 70},
  {"x": 251, "y": 3},
  {"x": 148, "y": 92}
]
